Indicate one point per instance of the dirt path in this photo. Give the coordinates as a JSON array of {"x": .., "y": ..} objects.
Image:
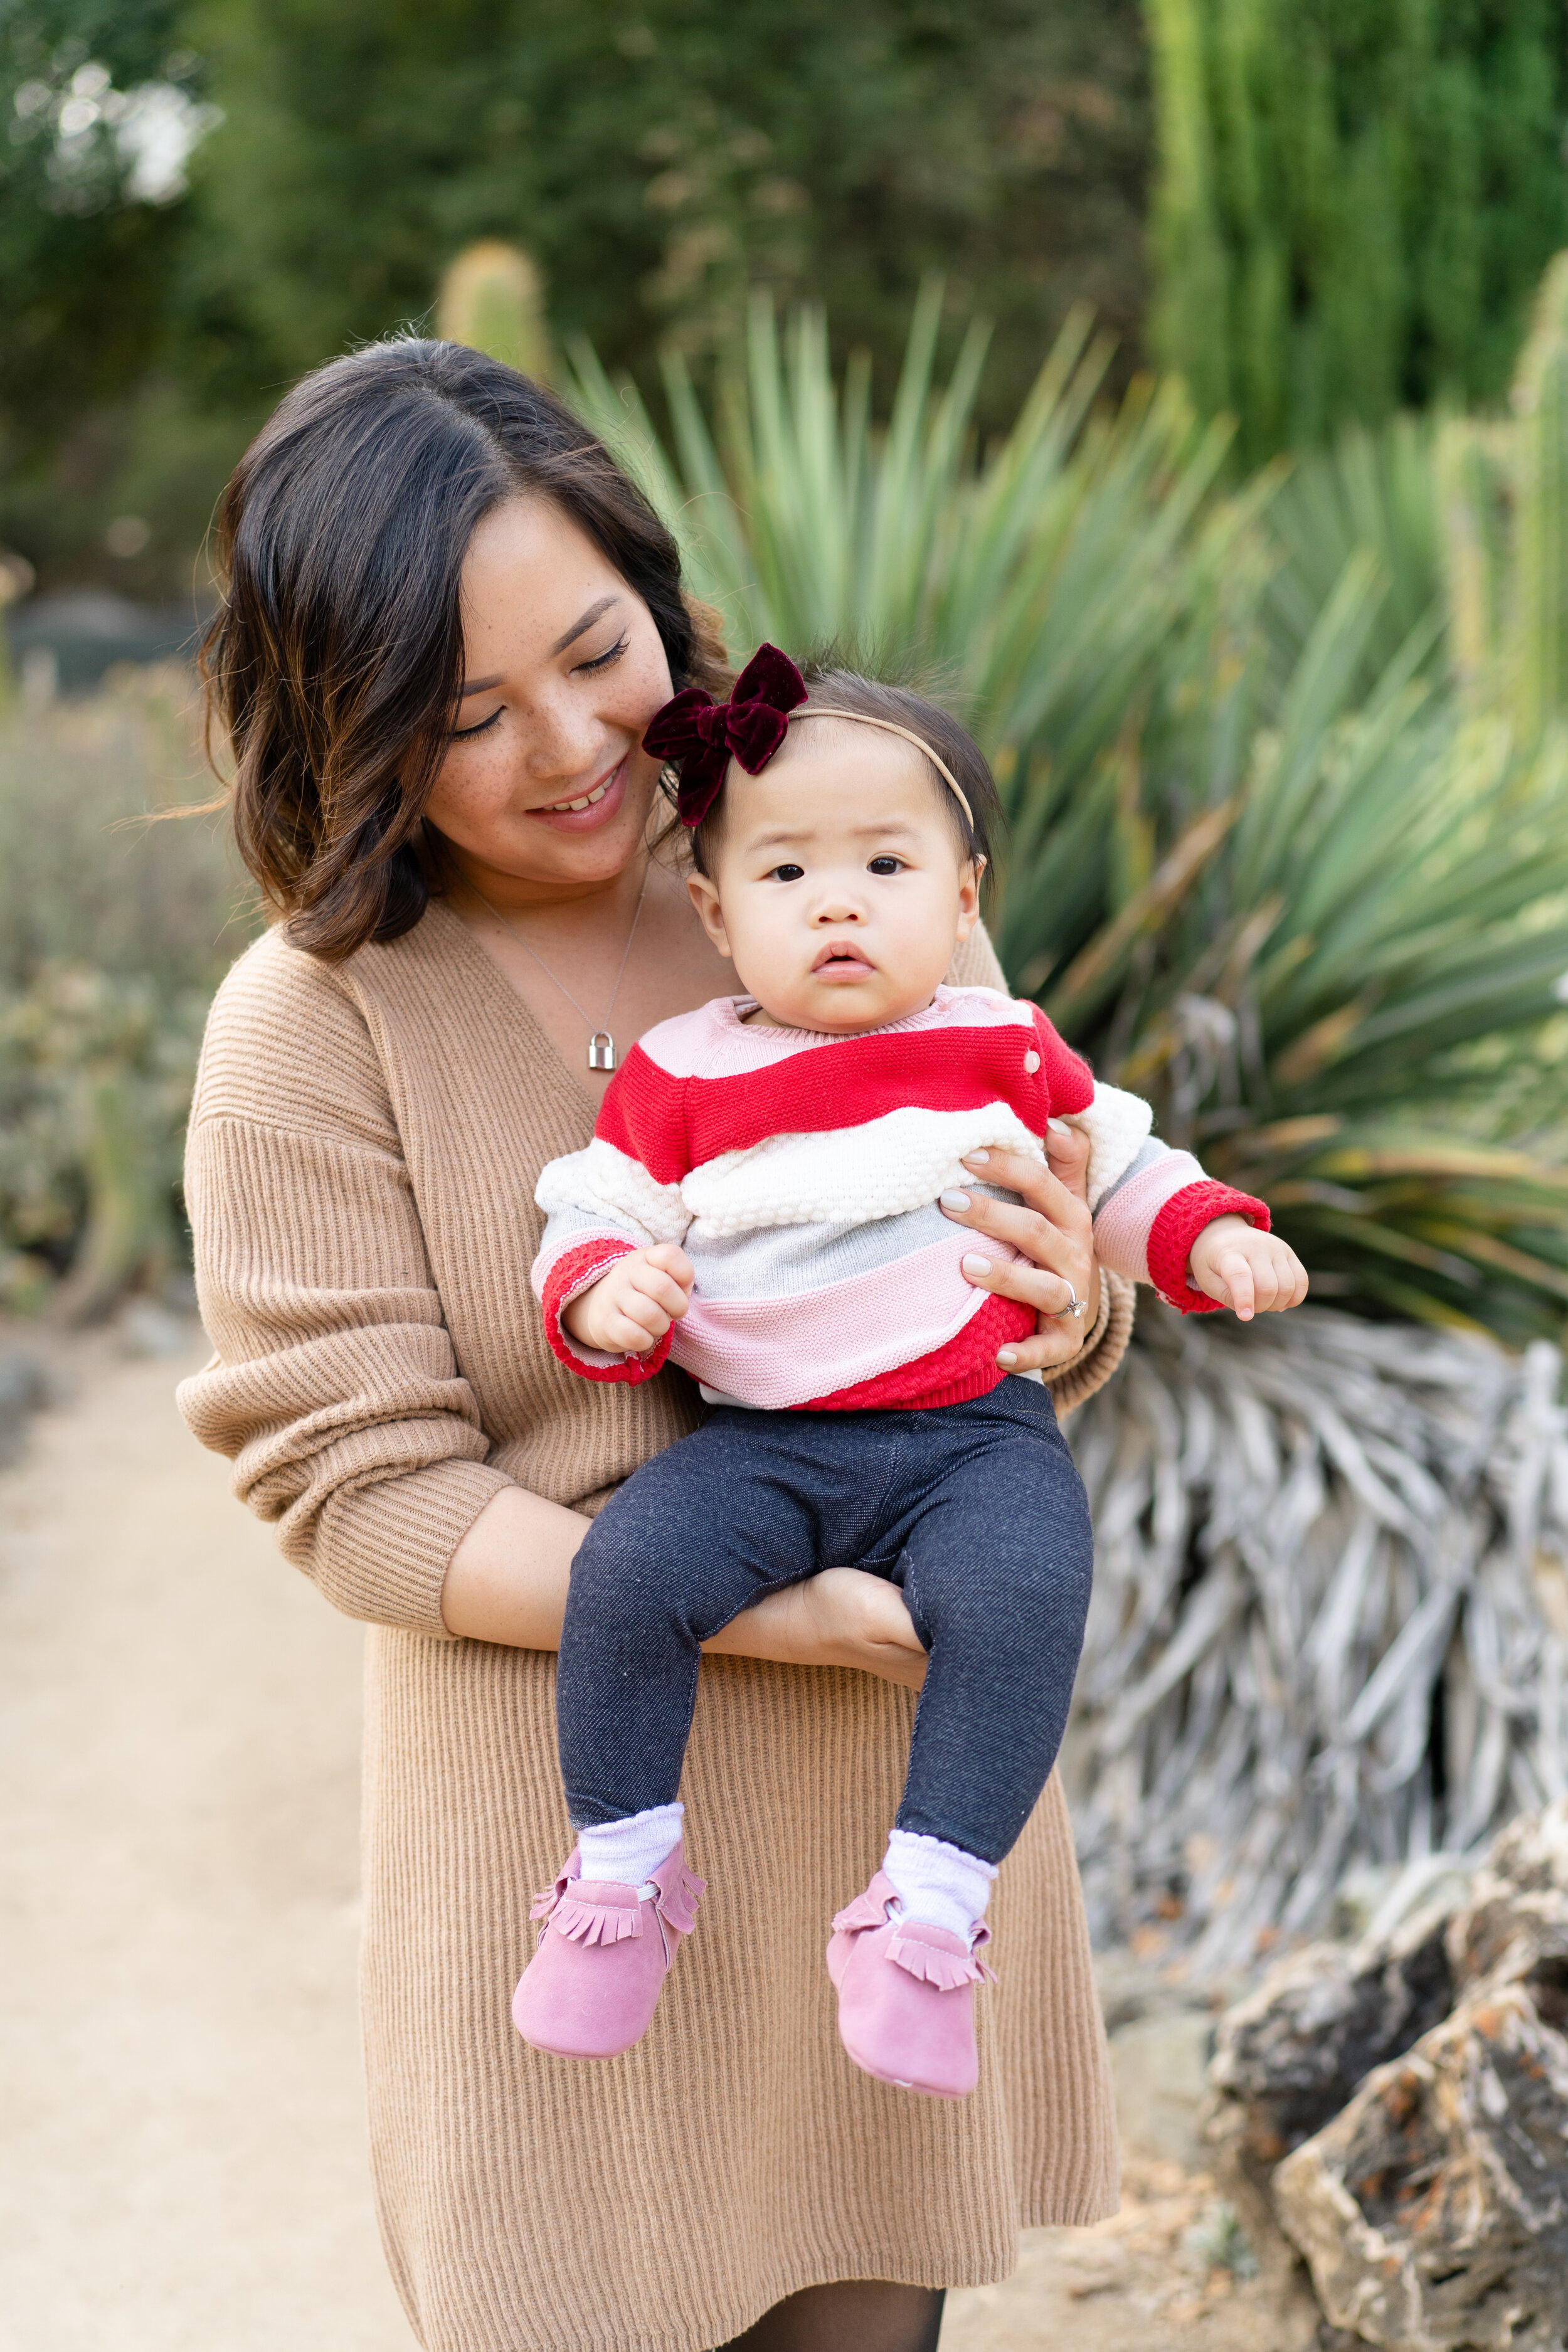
[{"x": 183, "y": 2167}]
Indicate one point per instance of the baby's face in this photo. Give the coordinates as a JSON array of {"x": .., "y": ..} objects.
[{"x": 840, "y": 889}]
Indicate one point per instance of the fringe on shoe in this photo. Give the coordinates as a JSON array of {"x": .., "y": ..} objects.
[
  {"x": 927, "y": 1964},
  {"x": 680, "y": 1892},
  {"x": 587, "y": 1922}
]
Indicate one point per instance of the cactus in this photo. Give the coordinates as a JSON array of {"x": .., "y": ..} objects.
[
  {"x": 1539, "y": 617},
  {"x": 1503, "y": 487},
  {"x": 493, "y": 299},
  {"x": 1350, "y": 204}
]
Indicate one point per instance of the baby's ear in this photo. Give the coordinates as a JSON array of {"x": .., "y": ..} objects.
[
  {"x": 705, "y": 899},
  {"x": 1066, "y": 1156}
]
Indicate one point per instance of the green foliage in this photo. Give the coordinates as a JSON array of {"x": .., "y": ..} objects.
[
  {"x": 86, "y": 268},
  {"x": 1263, "y": 866},
  {"x": 1504, "y": 486},
  {"x": 657, "y": 161},
  {"x": 1352, "y": 204},
  {"x": 112, "y": 935}
]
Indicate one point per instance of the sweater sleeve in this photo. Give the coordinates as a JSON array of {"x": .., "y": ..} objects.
[
  {"x": 623, "y": 1193},
  {"x": 333, "y": 1389},
  {"x": 1148, "y": 1201},
  {"x": 974, "y": 965}
]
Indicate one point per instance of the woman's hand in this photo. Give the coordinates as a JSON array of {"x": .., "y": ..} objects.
[
  {"x": 842, "y": 1617},
  {"x": 1051, "y": 1229}
]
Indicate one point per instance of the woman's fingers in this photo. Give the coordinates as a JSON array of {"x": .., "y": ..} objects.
[
  {"x": 1037, "y": 1185},
  {"x": 1051, "y": 1230},
  {"x": 1041, "y": 1287},
  {"x": 1066, "y": 1156},
  {"x": 1041, "y": 1239}
]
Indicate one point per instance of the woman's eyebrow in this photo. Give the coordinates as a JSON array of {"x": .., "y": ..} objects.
[{"x": 594, "y": 613}]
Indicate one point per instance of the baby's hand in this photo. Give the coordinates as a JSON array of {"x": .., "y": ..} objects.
[
  {"x": 628, "y": 1310},
  {"x": 1246, "y": 1270}
]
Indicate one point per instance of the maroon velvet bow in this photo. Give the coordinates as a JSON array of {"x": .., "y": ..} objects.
[{"x": 705, "y": 735}]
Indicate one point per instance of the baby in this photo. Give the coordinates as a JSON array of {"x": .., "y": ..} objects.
[{"x": 763, "y": 1201}]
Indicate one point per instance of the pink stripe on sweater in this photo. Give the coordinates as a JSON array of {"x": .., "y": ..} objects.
[
  {"x": 1123, "y": 1224},
  {"x": 778, "y": 1352}
]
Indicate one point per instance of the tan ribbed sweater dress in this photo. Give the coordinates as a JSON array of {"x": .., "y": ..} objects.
[{"x": 363, "y": 1149}]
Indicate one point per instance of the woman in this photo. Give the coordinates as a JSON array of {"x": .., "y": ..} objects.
[{"x": 450, "y": 619}]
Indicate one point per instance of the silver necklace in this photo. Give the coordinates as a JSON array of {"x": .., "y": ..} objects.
[{"x": 601, "y": 1045}]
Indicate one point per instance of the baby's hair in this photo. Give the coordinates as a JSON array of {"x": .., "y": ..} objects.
[{"x": 901, "y": 705}]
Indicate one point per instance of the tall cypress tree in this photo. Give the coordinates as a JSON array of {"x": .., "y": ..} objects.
[{"x": 1354, "y": 200}]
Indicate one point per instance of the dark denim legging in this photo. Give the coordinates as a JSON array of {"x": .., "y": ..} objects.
[{"x": 976, "y": 1509}]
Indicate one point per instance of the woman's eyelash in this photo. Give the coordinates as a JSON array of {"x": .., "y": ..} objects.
[
  {"x": 600, "y": 661},
  {"x": 461, "y": 734},
  {"x": 603, "y": 661}
]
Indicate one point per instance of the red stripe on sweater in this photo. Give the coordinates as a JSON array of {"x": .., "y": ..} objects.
[
  {"x": 575, "y": 1271},
  {"x": 643, "y": 1115},
  {"x": 673, "y": 1125},
  {"x": 967, "y": 1367},
  {"x": 1177, "y": 1228}
]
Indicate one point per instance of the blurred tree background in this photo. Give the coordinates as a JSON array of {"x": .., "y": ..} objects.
[{"x": 658, "y": 160}]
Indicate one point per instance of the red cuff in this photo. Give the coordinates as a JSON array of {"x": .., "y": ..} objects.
[
  {"x": 575, "y": 1271},
  {"x": 1178, "y": 1227}
]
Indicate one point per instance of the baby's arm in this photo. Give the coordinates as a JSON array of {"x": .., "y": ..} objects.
[
  {"x": 603, "y": 1213},
  {"x": 629, "y": 1309},
  {"x": 1160, "y": 1218}
]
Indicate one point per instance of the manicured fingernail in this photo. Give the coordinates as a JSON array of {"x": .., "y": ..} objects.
[
  {"x": 975, "y": 1265},
  {"x": 975, "y": 1159},
  {"x": 1006, "y": 1358},
  {"x": 959, "y": 1201},
  {"x": 1057, "y": 1127}
]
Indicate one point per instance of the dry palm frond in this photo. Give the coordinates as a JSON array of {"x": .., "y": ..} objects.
[{"x": 1330, "y": 1615}]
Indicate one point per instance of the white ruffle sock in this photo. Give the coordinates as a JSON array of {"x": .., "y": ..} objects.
[
  {"x": 627, "y": 1852},
  {"x": 938, "y": 1883}
]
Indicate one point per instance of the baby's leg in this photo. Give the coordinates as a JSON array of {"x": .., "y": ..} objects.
[
  {"x": 997, "y": 1565},
  {"x": 700, "y": 1532}
]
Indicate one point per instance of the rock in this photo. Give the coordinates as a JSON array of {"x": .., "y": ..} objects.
[
  {"x": 1157, "y": 2064},
  {"x": 1289, "y": 2055},
  {"x": 1433, "y": 2212},
  {"x": 1517, "y": 1918}
]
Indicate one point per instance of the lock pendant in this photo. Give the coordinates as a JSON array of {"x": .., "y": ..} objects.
[{"x": 601, "y": 1051}]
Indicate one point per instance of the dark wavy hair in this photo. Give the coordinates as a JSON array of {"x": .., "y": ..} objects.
[{"x": 333, "y": 664}]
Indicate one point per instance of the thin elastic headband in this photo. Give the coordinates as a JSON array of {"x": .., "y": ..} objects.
[{"x": 863, "y": 718}]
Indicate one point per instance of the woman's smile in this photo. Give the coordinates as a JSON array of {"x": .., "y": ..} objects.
[{"x": 590, "y": 809}]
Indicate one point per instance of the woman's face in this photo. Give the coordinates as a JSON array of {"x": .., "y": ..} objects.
[{"x": 563, "y": 670}]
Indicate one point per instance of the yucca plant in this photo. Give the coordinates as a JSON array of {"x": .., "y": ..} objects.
[
  {"x": 1270, "y": 865},
  {"x": 1261, "y": 864}
]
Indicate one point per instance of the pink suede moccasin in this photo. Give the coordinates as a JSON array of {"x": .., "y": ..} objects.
[
  {"x": 604, "y": 1950},
  {"x": 906, "y": 1995}
]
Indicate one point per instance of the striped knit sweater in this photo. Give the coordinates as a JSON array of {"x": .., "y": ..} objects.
[{"x": 800, "y": 1173}]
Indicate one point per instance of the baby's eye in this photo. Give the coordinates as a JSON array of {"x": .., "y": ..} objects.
[
  {"x": 786, "y": 874},
  {"x": 886, "y": 865}
]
